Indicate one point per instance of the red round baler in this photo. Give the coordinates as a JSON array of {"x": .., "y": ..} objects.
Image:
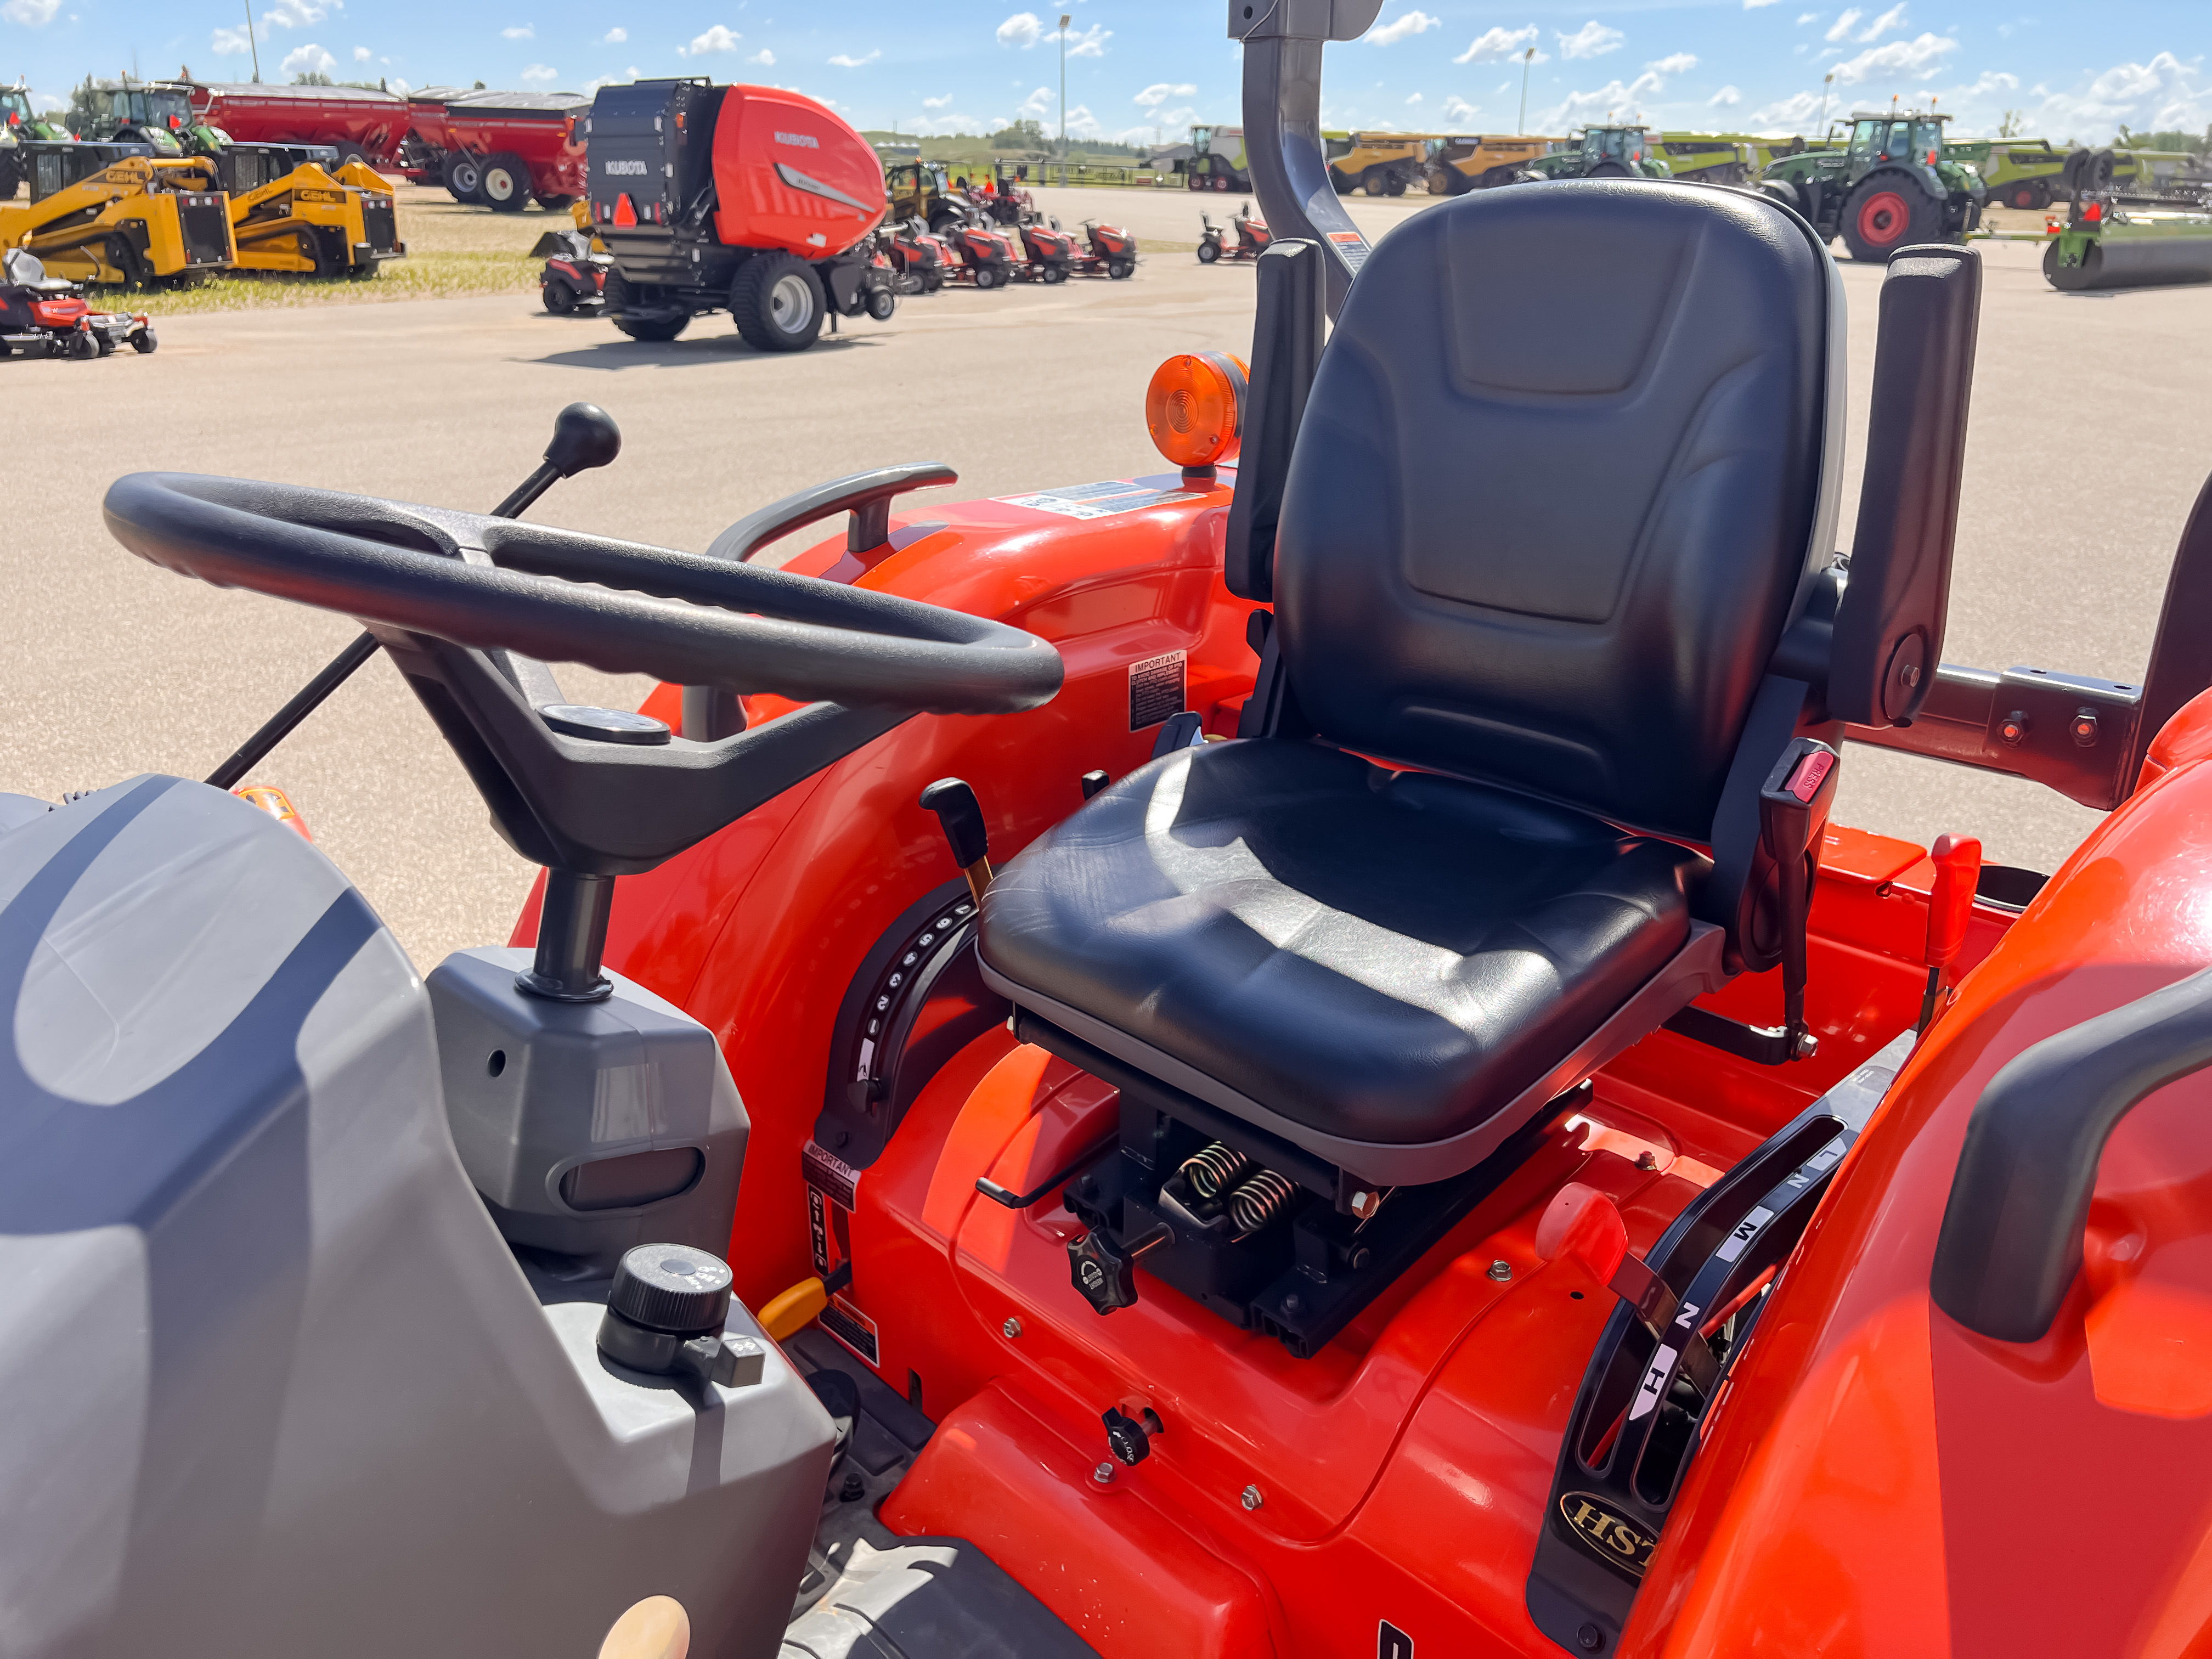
[{"x": 747, "y": 199}]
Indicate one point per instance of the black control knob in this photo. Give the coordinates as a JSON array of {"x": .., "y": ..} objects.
[
  {"x": 1104, "y": 1271},
  {"x": 664, "y": 1297},
  {"x": 1129, "y": 1439}
]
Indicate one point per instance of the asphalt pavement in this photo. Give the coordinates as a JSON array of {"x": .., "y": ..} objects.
[{"x": 2086, "y": 448}]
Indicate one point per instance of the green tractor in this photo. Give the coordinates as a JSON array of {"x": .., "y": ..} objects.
[
  {"x": 156, "y": 113},
  {"x": 1606, "y": 152},
  {"x": 19, "y": 123},
  {"x": 1892, "y": 186}
]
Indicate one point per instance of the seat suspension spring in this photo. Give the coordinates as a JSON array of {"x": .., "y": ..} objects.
[
  {"x": 1259, "y": 1200},
  {"x": 1215, "y": 1170}
]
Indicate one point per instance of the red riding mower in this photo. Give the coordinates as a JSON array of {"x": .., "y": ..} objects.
[
  {"x": 986, "y": 256},
  {"x": 574, "y": 277},
  {"x": 1164, "y": 1066},
  {"x": 1109, "y": 252},
  {"x": 42, "y": 316},
  {"x": 748, "y": 199},
  {"x": 1253, "y": 237},
  {"x": 923, "y": 262},
  {"x": 1049, "y": 255}
]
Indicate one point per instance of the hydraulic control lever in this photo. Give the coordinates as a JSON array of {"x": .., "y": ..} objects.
[
  {"x": 1584, "y": 1225},
  {"x": 1950, "y": 905},
  {"x": 960, "y": 815},
  {"x": 584, "y": 436}
]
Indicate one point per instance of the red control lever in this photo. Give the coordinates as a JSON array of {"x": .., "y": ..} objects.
[
  {"x": 1584, "y": 1225},
  {"x": 1958, "y": 861}
]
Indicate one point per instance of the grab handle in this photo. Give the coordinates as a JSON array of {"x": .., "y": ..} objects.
[{"x": 2012, "y": 1231}]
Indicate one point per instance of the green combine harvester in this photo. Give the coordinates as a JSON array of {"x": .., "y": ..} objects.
[{"x": 2116, "y": 238}]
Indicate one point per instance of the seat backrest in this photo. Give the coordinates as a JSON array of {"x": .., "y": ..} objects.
[{"x": 1562, "y": 472}]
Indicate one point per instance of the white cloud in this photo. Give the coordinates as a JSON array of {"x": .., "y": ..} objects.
[
  {"x": 613, "y": 37},
  {"x": 1805, "y": 17},
  {"x": 717, "y": 38},
  {"x": 1844, "y": 24},
  {"x": 1414, "y": 100},
  {"x": 1036, "y": 106},
  {"x": 1753, "y": 5},
  {"x": 936, "y": 103},
  {"x": 1092, "y": 43},
  {"x": 1990, "y": 81},
  {"x": 1678, "y": 63},
  {"x": 1022, "y": 29},
  {"x": 846, "y": 60},
  {"x": 309, "y": 59},
  {"x": 520, "y": 32},
  {"x": 1413, "y": 22},
  {"x": 1618, "y": 101},
  {"x": 1791, "y": 111},
  {"x": 31, "y": 14},
  {"x": 1160, "y": 91},
  {"x": 1497, "y": 43},
  {"x": 2164, "y": 93},
  {"x": 541, "y": 72},
  {"x": 1458, "y": 109},
  {"x": 1726, "y": 98},
  {"x": 1592, "y": 39},
  {"x": 297, "y": 13},
  {"x": 1082, "y": 123},
  {"x": 1892, "y": 19},
  {"x": 362, "y": 54},
  {"x": 403, "y": 86},
  {"x": 225, "y": 43},
  {"x": 1183, "y": 116},
  {"x": 1900, "y": 59},
  {"x": 764, "y": 58}
]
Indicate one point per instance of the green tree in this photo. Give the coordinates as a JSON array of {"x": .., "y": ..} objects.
[
  {"x": 85, "y": 108},
  {"x": 313, "y": 78},
  {"x": 2014, "y": 123},
  {"x": 1024, "y": 134}
]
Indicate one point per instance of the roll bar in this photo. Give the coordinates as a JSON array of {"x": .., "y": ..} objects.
[{"x": 1283, "y": 40}]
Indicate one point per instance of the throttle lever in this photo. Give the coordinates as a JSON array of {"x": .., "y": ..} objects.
[
  {"x": 1585, "y": 1226},
  {"x": 960, "y": 815},
  {"x": 1958, "y": 861},
  {"x": 584, "y": 436}
]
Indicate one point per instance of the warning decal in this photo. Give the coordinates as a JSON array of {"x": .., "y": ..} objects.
[
  {"x": 1156, "y": 690},
  {"x": 1102, "y": 500},
  {"x": 851, "y": 1327}
]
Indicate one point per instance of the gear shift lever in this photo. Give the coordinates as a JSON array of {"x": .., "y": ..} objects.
[{"x": 584, "y": 436}]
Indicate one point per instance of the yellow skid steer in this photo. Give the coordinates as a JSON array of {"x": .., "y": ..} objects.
[{"x": 113, "y": 216}]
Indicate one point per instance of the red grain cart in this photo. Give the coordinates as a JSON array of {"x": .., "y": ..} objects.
[
  {"x": 361, "y": 123},
  {"x": 498, "y": 148}
]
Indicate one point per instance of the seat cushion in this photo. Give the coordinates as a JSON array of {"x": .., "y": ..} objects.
[{"x": 1381, "y": 957}]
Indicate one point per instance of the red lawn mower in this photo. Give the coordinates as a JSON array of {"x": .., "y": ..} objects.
[
  {"x": 1252, "y": 237},
  {"x": 1050, "y": 253},
  {"x": 44, "y": 316},
  {"x": 1192, "y": 1064},
  {"x": 573, "y": 279},
  {"x": 1108, "y": 250},
  {"x": 986, "y": 257},
  {"x": 924, "y": 262}
]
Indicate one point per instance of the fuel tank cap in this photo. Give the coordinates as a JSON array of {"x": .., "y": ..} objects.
[{"x": 671, "y": 1288}]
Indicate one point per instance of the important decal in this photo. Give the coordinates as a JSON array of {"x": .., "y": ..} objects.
[
  {"x": 1605, "y": 1533},
  {"x": 826, "y": 1172},
  {"x": 1102, "y": 500},
  {"x": 1156, "y": 690}
]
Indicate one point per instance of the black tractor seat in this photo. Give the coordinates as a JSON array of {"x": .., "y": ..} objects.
[
  {"x": 1374, "y": 965},
  {"x": 1562, "y": 482}
]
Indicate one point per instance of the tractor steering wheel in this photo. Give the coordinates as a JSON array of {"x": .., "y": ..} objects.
[
  {"x": 469, "y": 608},
  {"x": 561, "y": 595}
]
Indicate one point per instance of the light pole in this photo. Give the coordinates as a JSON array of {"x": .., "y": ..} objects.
[
  {"x": 1527, "y": 58},
  {"x": 1064, "y": 20},
  {"x": 1827, "y": 80},
  {"x": 249, "y": 40}
]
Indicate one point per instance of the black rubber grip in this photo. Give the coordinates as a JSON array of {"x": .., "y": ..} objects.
[
  {"x": 2012, "y": 1231},
  {"x": 961, "y": 814}
]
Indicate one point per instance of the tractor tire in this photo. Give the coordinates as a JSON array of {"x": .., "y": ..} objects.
[
  {"x": 1053, "y": 275},
  {"x": 1371, "y": 182},
  {"x": 1395, "y": 186},
  {"x": 505, "y": 183},
  {"x": 143, "y": 343},
  {"x": 621, "y": 294},
  {"x": 1208, "y": 252},
  {"x": 1886, "y": 212},
  {"x": 1607, "y": 170},
  {"x": 552, "y": 200},
  {"x": 463, "y": 177},
  {"x": 1120, "y": 271},
  {"x": 1221, "y": 183},
  {"x": 347, "y": 151},
  {"x": 559, "y": 296},
  {"x": 777, "y": 302},
  {"x": 986, "y": 278},
  {"x": 82, "y": 346},
  {"x": 882, "y": 303}
]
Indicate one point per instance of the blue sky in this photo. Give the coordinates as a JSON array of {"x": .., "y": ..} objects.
[{"x": 1138, "y": 68}]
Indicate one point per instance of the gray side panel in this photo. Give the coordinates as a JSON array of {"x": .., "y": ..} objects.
[{"x": 271, "y": 1383}]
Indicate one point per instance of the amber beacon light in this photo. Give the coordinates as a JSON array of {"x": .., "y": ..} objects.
[{"x": 1195, "y": 409}]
